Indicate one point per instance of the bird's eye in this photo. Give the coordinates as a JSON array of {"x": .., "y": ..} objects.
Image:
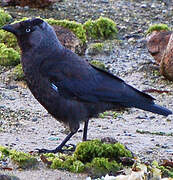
[{"x": 28, "y": 30}]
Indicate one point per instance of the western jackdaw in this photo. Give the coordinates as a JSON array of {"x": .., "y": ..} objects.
[{"x": 67, "y": 86}]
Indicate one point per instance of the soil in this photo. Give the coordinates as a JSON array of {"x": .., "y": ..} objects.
[{"x": 26, "y": 125}]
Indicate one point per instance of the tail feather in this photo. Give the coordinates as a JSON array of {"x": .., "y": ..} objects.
[{"x": 155, "y": 109}]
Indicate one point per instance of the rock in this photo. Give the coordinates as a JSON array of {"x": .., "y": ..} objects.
[
  {"x": 160, "y": 46},
  {"x": 166, "y": 65},
  {"x": 29, "y": 3},
  {"x": 157, "y": 42},
  {"x": 69, "y": 39},
  {"x": 7, "y": 177}
]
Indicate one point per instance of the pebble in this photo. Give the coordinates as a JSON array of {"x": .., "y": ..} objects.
[
  {"x": 104, "y": 1},
  {"x": 53, "y": 138},
  {"x": 26, "y": 7},
  {"x": 34, "y": 119},
  {"x": 164, "y": 146},
  {"x": 169, "y": 151},
  {"x": 143, "y": 5},
  {"x": 149, "y": 151}
]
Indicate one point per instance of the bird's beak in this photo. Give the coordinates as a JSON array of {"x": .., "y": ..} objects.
[{"x": 10, "y": 28}]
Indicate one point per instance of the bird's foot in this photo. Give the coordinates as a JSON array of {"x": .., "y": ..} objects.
[
  {"x": 68, "y": 148},
  {"x": 42, "y": 151}
]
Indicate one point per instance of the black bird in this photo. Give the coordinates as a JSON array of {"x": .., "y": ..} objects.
[{"x": 67, "y": 86}]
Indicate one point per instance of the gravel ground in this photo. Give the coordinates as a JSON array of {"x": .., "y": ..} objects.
[{"x": 25, "y": 125}]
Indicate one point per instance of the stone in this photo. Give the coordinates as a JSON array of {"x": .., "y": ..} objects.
[
  {"x": 156, "y": 44},
  {"x": 166, "y": 65},
  {"x": 69, "y": 39},
  {"x": 29, "y": 3}
]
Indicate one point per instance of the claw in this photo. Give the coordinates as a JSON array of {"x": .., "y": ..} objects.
[{"x": 69, "y": 147}]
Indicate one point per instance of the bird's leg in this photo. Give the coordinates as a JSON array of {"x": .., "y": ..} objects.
[
  {"x": 85, "y": 130},
  {"x": 60, "y": 147}
]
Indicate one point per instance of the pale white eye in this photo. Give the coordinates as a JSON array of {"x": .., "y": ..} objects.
[{"x": 28, "y": 30}]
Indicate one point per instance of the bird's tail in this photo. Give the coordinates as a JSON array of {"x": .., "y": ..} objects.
[{"x": 154, "y": 108}]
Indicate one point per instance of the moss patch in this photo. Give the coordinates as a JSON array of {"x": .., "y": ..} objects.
[
  {"x": 98, "y": 46},
  {"x": 23, "y": 160},
  {"x": 102, "y": 28},
  {"x": 69, "y": 163},
  {"x": 166, "y": 171},
  {"x": 94, "y": 157},
  {"x": 154, "y": 133},
  {"x": 95, "y": 48},
  {"x": 98, "y": 64},
  {"x": 8, "y": 39},
  {"x": 88, "y": 150},
  {"x": 102, "y": 166},
  {"x": 109, "y": 113},
  {"x": 4, "y": 17},
  {"x": 8, "y": 56},
  {"x": 157, "y": 27},
  {"x": 17, "y": 73}
]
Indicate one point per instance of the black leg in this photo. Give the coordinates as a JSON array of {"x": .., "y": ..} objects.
[
  {"x": 59, "y": 148},
  {"x": 85, "y": 130}
]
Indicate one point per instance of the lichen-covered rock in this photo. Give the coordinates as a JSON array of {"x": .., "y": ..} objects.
[
  {"x": 166, "y": 65},
  {"x": 157, "y": 42}
]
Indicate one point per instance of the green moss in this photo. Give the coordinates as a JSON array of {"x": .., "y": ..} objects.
[
  {"x": 23, "y": 160},
  {"x": 4, "y": 152},
  {"x": 75, "y": 27},
  {"x": 102, "y": 166},
  {"x": 166, "y": 171},
  {"x": 154, "y": 133},
  {"x": 102, "y": 28},
  {"x": 94, "y": 156},
  {"x": 157, "y": 27},
  {"x": 4, "y": 17},
  {"x": 69, "y": 163},
  {"x": 77, "y": 167},
  {"x": 108, "y": 113},
  {"x": 86, "y": 151},
  {"x": 8, "y": 39},
  {"x": 17, "y": 72},
  {"x": 8, "y": 56},
  {"x": 98, "y": 64},
  {"x": 57, "y": 163},
  {"x": 96, "y": 48}
]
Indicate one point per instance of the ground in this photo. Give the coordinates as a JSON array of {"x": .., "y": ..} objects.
[{"x": 25, "y": 124}]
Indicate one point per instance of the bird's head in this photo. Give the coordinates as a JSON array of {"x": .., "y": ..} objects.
[{"x": 33, "y": 33}]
